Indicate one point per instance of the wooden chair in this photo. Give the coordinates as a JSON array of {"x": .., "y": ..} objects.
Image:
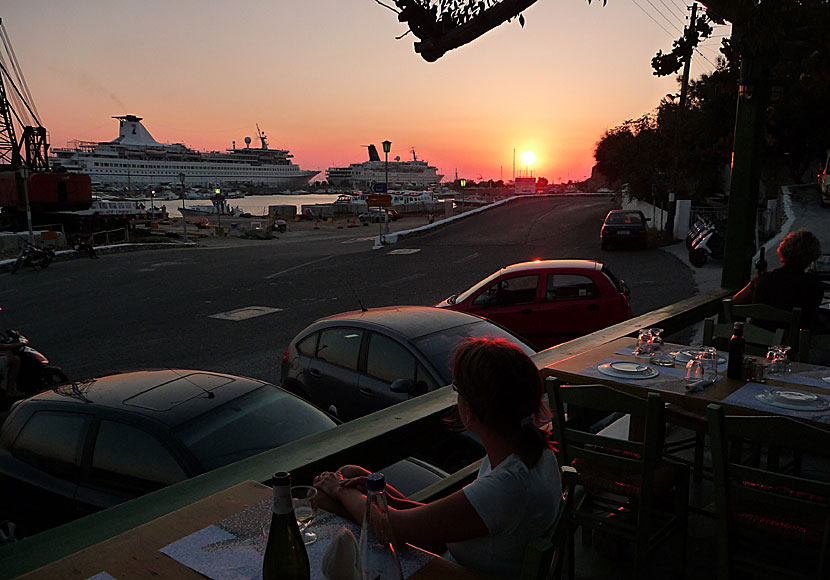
[
  {"x": 766, "y": 317},
  {"x": 757, "y": 339},
  {"x": 550, "y": 557},
  {"x": 769, "y": 523},
  {"x": 629, "y": 491},
  {"x": 806, "y": 341}
]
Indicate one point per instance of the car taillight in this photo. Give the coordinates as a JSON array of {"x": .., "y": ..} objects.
[{"x": 285, "y": 356}]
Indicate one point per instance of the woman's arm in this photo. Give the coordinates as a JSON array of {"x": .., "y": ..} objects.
[{"x": 450, "y": 519}]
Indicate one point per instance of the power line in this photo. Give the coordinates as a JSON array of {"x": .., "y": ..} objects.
[
  {"x": 661, "y": 14},
  {"x": 674, "y": 13},
  {"x": 653, "y": 19},
  {"x": 704, "y": 57}
]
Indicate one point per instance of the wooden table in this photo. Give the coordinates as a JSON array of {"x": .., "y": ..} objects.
[
  {"x": 134, "y": 555},
  {"x": 671, "y": 389}
]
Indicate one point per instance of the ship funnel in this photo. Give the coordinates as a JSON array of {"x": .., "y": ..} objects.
[{"x": 373, "y": 153}]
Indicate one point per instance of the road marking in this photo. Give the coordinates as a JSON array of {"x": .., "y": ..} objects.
[
  {"x": 275, "y": 274},
  {"x": 467, "y": 258},
  {"x": 404, "y": 279},
  {"x": 405, "y": 251},
  {"x": 245, "y": 313},
  {"x": 355, "y": 240}
]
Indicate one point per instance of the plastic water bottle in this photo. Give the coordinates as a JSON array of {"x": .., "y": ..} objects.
[{"x": 378, "y": 559}]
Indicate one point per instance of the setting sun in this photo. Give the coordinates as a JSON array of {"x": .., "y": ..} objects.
[{"x": 528, "y": 158}]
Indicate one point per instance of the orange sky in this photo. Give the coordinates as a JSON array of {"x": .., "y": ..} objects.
[{"x": 325, "y": 77}]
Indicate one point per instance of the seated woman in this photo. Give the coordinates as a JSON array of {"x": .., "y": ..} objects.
[
  {"x": 515, "y": 497},
  {"x": 790, "y": 286}
]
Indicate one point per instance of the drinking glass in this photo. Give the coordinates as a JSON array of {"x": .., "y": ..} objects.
[
  {"x": 709, "y": 358},
  {"x": 304, "y": 500},
  {"x": 643, "y": 338},
  {"x": 779, "y": 363},
  {"x": 694, "y": 369},
  {"x": 659, "y": 357}
]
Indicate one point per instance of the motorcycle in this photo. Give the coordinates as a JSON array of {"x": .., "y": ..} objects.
[
  {"x": 710, "y": 243},
  {"x": 36, "y": 374},
  {"x": 31, "y": 255}
]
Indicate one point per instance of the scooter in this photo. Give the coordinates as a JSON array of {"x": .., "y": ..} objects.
[
  {"x": 701, "y": 224},
  {"x": 31, "y": 255},
  {"x": 36, "y": 374},
  {"x": 710, "y": 243}
]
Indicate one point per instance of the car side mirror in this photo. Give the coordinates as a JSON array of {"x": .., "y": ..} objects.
[{"x": 407, "y": 386}]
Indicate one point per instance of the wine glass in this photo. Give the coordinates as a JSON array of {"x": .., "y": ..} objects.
[
  {"x": 778, "y": 362},
  {"x": 643, "y": 338},
  {"x": 659, "y": 357},
  {"x": 304, "y": 500}
]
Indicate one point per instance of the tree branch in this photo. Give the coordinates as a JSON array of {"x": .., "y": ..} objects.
[{"x": 434, "y": 47}]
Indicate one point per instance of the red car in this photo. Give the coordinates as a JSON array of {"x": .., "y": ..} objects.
[{"x": 548, "y": 301}]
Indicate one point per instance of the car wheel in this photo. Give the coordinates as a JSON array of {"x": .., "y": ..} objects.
[{"x": 698, "y": 258}]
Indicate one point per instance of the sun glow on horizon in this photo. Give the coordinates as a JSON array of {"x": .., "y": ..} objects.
[{"x": 528, "y": 158}]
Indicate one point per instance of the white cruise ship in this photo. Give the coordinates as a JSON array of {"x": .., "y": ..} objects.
[
  {"x": 414, "y": 174},
  {"x": 135, "y": 160}
]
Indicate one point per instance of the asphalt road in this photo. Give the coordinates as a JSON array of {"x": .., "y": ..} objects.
[{"x": 153, "y": 309}]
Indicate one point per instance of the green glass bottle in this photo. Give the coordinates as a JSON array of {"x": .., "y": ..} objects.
[{"x": 285, "y": 554}]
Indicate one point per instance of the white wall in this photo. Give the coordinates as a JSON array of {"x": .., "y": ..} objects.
[{"x": 658, "y": 216}]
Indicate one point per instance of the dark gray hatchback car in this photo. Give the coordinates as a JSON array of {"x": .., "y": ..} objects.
[
  {"x": 624, "y": 227},
  {"x": 92, "y": 444},
  {"x": 359, "y": 362}
]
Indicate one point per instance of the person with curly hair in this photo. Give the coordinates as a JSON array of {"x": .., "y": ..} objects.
[
  {"x": 790, "y": 286},
  {"x": 516, "y": 495}
]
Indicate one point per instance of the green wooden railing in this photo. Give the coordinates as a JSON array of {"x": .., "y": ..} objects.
[{"x": 378, "y": 439}]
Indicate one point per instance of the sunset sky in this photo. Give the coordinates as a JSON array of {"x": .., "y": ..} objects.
[{"x": 323, "y": 78}]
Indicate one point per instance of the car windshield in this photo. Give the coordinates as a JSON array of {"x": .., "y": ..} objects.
[
  {"x": 255, "y": 422},
  {"x": 439, "y": 347},
  {"x": 483, "y": 284},
  {"x": 624, "y": 218}
]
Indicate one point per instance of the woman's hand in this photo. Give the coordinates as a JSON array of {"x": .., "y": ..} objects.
[{"x": 329, "y": 482}]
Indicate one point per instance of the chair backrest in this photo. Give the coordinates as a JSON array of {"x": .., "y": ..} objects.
[
  {"x": 545, "y": 558},
  {"x": 765, "y": 316},
  {"x": 757, "y": 339},
  {"x": 616, "y": 455},
  {"x": 806, "y": 341},
  {"x": 785, "y": 508}
]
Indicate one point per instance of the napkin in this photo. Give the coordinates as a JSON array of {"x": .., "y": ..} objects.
[{"x": 340, "y": 561}]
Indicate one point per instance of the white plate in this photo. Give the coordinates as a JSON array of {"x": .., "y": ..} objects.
[
  {"x": 683, "y": 356},
  {"x": 634, "y": 370},
  {"x": 794, "y": 400}
]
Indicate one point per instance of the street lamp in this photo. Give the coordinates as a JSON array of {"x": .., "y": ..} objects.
[
  {"x": 24, "y": 175},
  {"x": 152, "y": 204},
  {"x": 184, "y": 217},
  {"x": 387, "y": 145}
]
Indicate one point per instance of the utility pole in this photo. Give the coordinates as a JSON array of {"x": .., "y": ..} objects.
[{"x": 684, "y": 90}]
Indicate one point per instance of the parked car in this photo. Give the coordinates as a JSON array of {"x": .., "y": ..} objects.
[
  {"x": 89, "y": 445},
  {"x": 359, "y": 362},
  {"x": 624, "y": 226},
  {"x": 548, "y": 301}
]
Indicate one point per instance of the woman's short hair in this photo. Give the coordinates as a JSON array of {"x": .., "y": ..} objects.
[
  {"x": 799, "y": 249},
  {"x": 503, "y": 387}
]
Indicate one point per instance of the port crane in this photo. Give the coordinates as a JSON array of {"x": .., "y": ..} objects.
[{"x": 27, "y": 184}]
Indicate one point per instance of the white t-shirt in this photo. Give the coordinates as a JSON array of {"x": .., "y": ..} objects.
[{"x": 517, "y": 504}]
